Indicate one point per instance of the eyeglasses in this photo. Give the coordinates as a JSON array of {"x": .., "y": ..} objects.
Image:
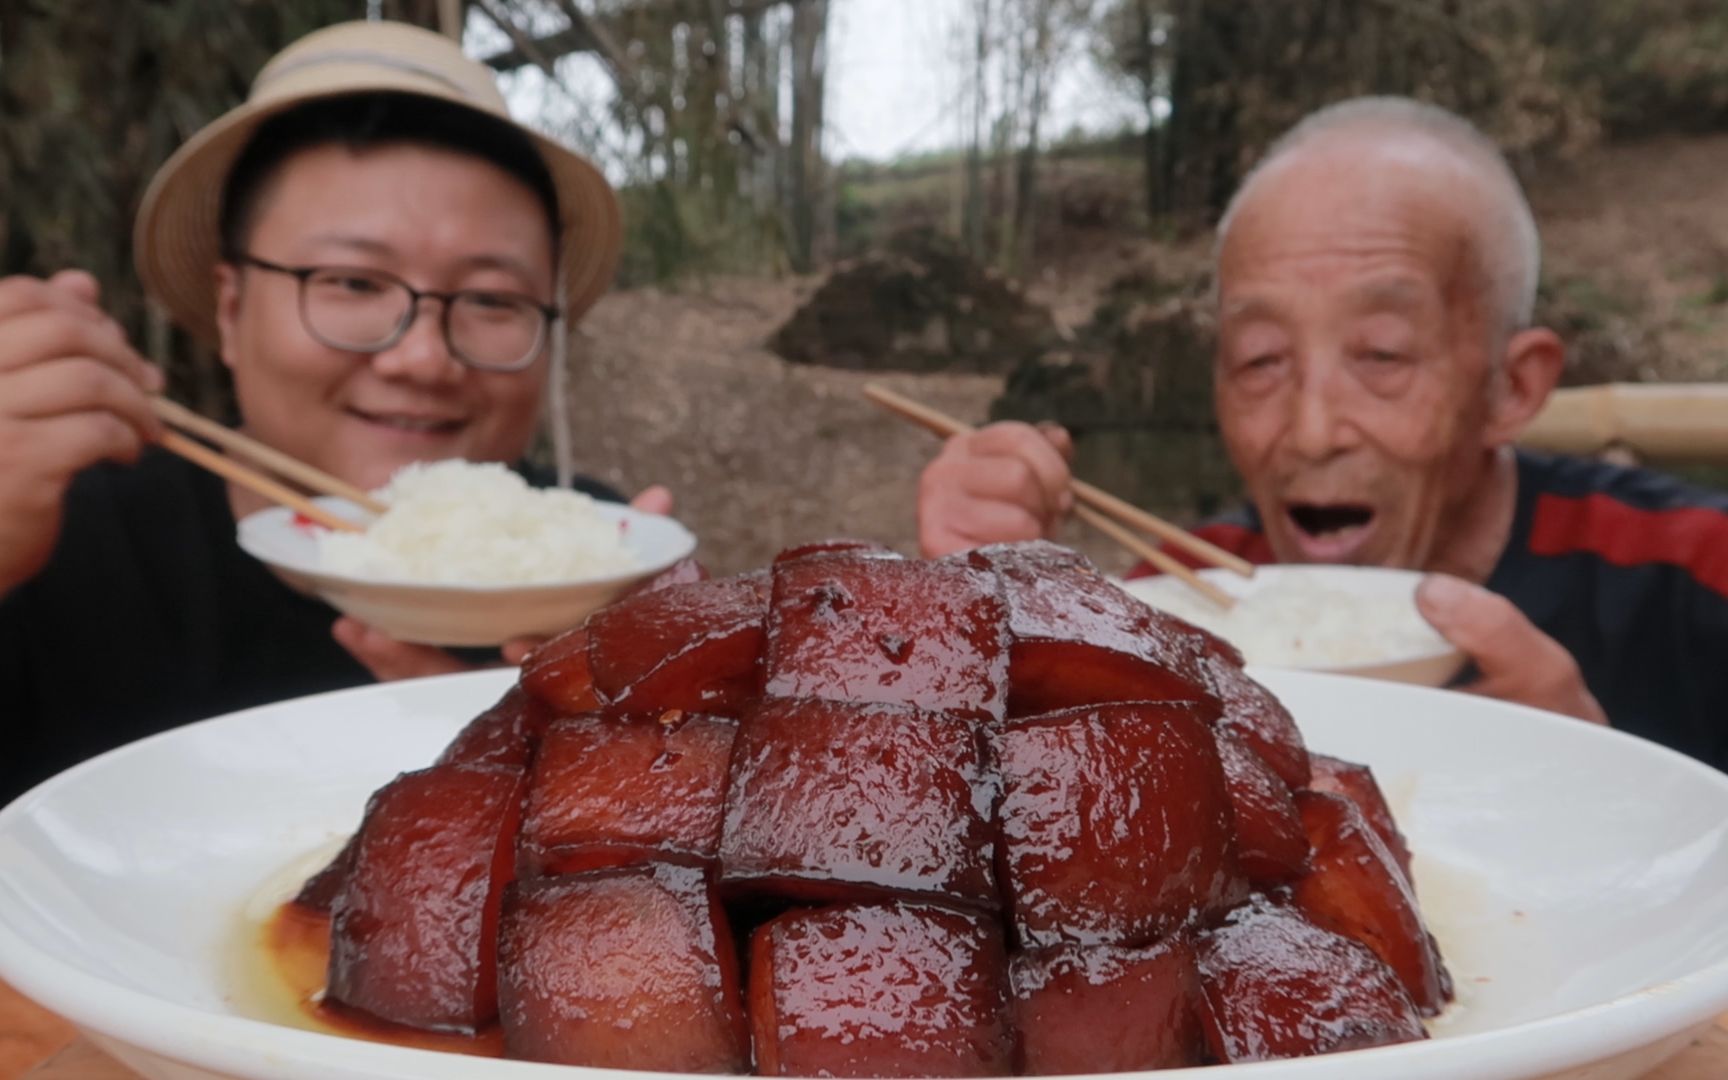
[{"x": 360, "y": 310}]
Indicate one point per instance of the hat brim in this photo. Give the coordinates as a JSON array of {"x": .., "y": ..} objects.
[{"x": 177, "y": 242}]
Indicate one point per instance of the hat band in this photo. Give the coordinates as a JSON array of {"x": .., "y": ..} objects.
[{"x": 357, "y": 56}]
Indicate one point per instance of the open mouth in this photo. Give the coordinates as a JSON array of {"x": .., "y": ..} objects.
[
  {"x": 1319, "y": 520},
  {"x": 412, "y": 425},
  {"x": 1331, "y": 532}
]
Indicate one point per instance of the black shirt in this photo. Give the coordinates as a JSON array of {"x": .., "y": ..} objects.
[
  {"x": 149, "y": 616},
  {"x": 1628, "y": 569}
]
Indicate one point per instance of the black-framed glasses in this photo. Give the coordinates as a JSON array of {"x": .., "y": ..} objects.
[{"x": 357, "y": 309}]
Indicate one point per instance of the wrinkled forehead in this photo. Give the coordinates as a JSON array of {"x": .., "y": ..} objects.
[{"x": 1408, "y": 205}]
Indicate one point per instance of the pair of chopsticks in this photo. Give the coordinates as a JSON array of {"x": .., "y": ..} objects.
[
  {"x": 1097, "y": 509},
  {"x": 184, "y": 419}
]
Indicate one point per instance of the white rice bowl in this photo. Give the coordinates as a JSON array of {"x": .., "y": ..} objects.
[
  {"x": 1353, "y": 619},
  {"x": 459, "y": 522}
]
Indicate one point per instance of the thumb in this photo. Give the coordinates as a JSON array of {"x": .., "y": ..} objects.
[
  {"x": 656, "y": 499},
  {"x": 1483, "y": 625},
  {"x": 1518, "y": 662},
  {"x": 388, "y": 659},
  {"x": 79, "y": 283}
]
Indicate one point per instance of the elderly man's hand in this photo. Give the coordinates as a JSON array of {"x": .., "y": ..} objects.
[
  {"x": 1008, "y": 481},
  {"x": 388, "y": 659},
  {"x": 1518, "y": 662},
  {"x": 72, "y": 393}
]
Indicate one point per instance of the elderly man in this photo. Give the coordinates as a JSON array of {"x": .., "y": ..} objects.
[
  {"x": 382, "y": 259},
  {"x": 1375, "y": 363}
]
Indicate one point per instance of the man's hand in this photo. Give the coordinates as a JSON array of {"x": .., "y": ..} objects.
[
  {"x": 1008, "y": 481},
  {"x": 653, "y": 500},
  {"x": 72, "y": 393},
  {"x": 388, "y": 659},
  {"x": 1518, "y": 662}
]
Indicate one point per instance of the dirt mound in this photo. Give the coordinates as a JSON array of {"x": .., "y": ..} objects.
[
  {"x": 1135, "y": 391},
  {"x": 922, "y": 306}
]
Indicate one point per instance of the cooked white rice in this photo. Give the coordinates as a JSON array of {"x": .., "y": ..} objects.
[
  {"x": 1295, "y": 621},
  {"x": 457, "y": 522}
]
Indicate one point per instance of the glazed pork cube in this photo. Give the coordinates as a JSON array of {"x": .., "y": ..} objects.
[
  {"x": 1271, "y": 846},
  {"x": 880, "y": 990},
  {"x": 609, "y": 791},
  {"x": 1334, "y": 776},
  {"x": 1077, "y": 639},
  {"x": 1356, "y": 889},
  {"x": 414, "y": 928},
  {"x": 628, "y": 968},
  {"x": 836, "y": 547},
  {"x": 850, "y": 627},
  {"x": 557, "y": 674},
  {"x": 504, "y": 735},
  {"x": 1252, "y": 714},
  {"x": 1115, "y": 823},
  {"x": 1099, "y": 1009},
  {"x": 1274, "y": 985},
  {"x": 832, "y": 800},
  {"x": 694, "y": 647},
  {"x": 319, "y": 891}
]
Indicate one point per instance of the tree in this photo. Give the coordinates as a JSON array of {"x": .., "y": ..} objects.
[{"x": 93, "y": 98}]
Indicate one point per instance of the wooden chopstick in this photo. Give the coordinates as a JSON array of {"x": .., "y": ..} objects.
[
  {"x": 1164, "y": 563},
  {"x": 185, "y": 419},
  {"x": 1097, "y": 504},
  {"x": 228, "y": 468}
]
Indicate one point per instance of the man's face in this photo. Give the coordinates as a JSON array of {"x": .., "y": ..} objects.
[
  {"x": 1352, "y": 365},
  {"x": 440, "y": 221}
]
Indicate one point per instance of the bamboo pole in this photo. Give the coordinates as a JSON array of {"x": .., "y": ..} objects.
[
  {"x": 1655, "y": 421},
  {"x": 450, "y": 19}
]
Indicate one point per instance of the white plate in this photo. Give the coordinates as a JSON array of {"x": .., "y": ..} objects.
[
  {"x": 1398, "y": 644},
  {"x": 440, "y": 614},
  {"x": 1577, "y": 879}
]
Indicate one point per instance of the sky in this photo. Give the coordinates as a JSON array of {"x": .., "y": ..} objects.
[
  {"x": 896, "y": 69},
  {"x": 895, "y": 82}
]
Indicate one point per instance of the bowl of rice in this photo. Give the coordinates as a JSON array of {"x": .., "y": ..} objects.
[
  {"x": 1352, "y": 620},
  {"x": 469, "y": 554}
]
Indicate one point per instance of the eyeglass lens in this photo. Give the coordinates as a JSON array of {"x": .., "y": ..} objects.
[{"x": 350, "y": 309}]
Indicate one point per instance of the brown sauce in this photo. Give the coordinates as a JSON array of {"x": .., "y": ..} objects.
[{"x": 295, "y": 946}]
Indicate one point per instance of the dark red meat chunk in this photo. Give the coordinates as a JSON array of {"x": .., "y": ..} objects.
[
  {"x": 1115, "y": 822},
  {"x": 1252, "y": 714},
  {"x": 414, "y": 929},
  {"x": 1274, "y": 985},
  {"x": 1271, "y": 845},
  {"x": 1356, "y": 889},
  {"x": 609, "y": 791},
  {"x": 880, "y": 990},
  {"x": 836, "y": 547},
  {"x": 1335, "y": 776},
  {"x": 693, "y": 647},
  {"x": 888, "y": 631},
  {"x": 832, "y": 800},
  {"x": 1099, "y": 1009},
  {"x": 557, "y": 673},
  {"x": 621, "y": 969},
  {"x": 319, "y": 891},
  {"x": 1079, "y": 639},
  {"x": 504, "y": 735}
]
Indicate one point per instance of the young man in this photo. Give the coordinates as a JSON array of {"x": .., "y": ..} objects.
[
  {"x": 1375, "y": 363},
  {"x": 382, "y": 259}
]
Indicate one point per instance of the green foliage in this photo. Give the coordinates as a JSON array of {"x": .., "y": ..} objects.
[
  {"x": 1545, "y": 77},
  {"x": 93, "y": 97},
  {"x": 672, "y": 232}
]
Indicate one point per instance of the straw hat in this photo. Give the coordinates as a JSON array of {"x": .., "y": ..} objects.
[{"x": 176, "y": 242}]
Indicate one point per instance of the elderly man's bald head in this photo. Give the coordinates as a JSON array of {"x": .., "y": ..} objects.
[{"x": 1374, "y": 142}]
